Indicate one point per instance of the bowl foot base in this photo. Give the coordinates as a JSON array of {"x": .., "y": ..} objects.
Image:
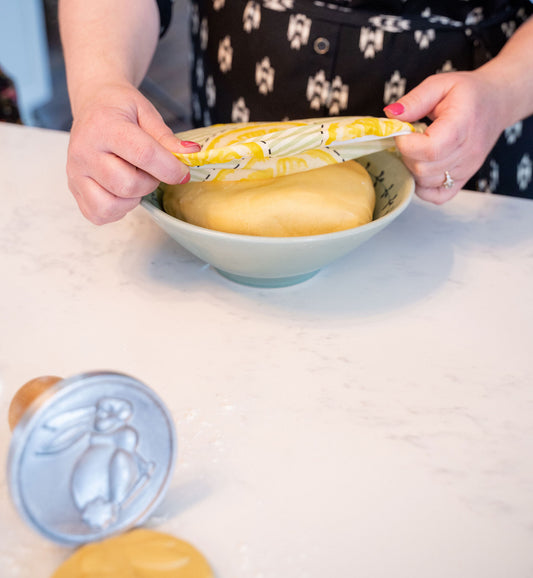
[{"x": 267, "y": 282}]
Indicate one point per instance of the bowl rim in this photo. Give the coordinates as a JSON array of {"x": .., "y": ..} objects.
[{"x": 149, "y": 206}]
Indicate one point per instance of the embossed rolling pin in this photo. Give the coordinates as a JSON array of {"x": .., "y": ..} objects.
[{"x": 91, "y": 456}]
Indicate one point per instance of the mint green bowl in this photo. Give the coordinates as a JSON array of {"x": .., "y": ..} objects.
[{"x": 283, "y": 261}]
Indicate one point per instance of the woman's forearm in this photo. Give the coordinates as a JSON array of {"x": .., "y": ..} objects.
[
  {"x": 511, "y": 73},
  {"x": 106, "y": 42}
]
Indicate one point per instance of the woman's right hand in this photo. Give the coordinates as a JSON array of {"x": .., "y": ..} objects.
[{"x": 120, "y": 150}]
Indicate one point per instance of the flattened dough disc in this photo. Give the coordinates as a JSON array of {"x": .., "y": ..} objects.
[{"x": 139, "y": 553}]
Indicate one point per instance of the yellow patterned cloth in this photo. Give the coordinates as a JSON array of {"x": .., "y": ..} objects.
[{"x": 243, "y": 151}]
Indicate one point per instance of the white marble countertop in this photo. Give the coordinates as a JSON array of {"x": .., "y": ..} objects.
[{"x": 375, "y": 421}]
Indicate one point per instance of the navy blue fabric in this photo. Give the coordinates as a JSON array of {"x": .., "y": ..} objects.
[
  {"x": 165, "y": 15},
  {"x": 272, "y": 60}
]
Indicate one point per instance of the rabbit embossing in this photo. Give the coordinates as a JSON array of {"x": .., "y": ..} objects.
[{"x": 110, "y": 472}]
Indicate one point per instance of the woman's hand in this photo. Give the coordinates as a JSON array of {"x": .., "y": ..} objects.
[
  {"x": 119, "y": 151},
  {"x": 469, "y": 111}
]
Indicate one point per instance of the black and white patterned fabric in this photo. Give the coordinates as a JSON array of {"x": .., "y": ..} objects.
[{"x": 288, "y": 59}]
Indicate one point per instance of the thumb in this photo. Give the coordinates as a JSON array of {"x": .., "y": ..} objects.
[
  {"x": 421, "y": 101},
  {"x": 153, "y": 123},
  {"x": 174, "y": 144}
]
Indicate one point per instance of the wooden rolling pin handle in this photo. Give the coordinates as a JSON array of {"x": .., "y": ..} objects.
[{"x": 26, "y": 395}]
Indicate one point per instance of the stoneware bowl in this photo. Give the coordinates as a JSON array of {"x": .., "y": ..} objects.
[{"x": 283, "y": 261}]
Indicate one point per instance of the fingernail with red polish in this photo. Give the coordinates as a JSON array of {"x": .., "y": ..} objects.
[
  {"x": 188, "y": 144},
  {"x": 396, "y": 108},
  {"x": 185, "y": 179}
]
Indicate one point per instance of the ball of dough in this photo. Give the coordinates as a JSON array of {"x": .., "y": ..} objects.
[
  {"x": 137, "y": 554},
  {"x": 324, "y": 200}
]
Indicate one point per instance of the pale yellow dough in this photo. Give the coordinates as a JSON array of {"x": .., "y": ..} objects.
[
  {"x": 137, "y": 554},
  {"x": 324, "y": 200}
]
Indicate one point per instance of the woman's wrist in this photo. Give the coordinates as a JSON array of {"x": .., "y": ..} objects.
[
  {"x": 91, "y": 91},
  {"x": 106, "y": 44}
]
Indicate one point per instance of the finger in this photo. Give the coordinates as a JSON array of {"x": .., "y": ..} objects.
[
  {"x": 427, "y": 173},
  {"x": 152, "y": 122},
  {"x": 434, "y": 175},
  {"x": 143, "y": 151},
  {"x": 444, "y": 135},
  {"x": 440, "y": 140},
  {"x": 176, "y": 145},
  {"x": 437, "y": 195},
  {"x": 122, "y": 179},
  {"x": 421, "y": 101},
  {"x": 440, "y": 186},
  {"x": 98, "y": 205},
  {"x": 439, "y": 179}
]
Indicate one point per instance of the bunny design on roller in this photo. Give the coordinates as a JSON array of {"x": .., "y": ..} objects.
[{"x": 110, "y": 473}]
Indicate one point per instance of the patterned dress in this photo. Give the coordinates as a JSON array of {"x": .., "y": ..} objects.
[{"x": 288, "y": 59}]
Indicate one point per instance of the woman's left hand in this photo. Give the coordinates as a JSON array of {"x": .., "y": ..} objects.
[{"x": 468, "y": 113}]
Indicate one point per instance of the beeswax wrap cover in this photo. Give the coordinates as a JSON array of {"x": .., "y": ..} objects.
[{"x": 243, "y": 151}]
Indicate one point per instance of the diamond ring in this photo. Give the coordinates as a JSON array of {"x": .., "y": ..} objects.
[{"x": 448, "y": 181}]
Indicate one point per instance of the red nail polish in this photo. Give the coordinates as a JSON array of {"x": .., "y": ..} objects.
[
  {"x": 396, "y": 108},
  {"x": 189, "y": 144},
  {"x": 185, "y": 179}
]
